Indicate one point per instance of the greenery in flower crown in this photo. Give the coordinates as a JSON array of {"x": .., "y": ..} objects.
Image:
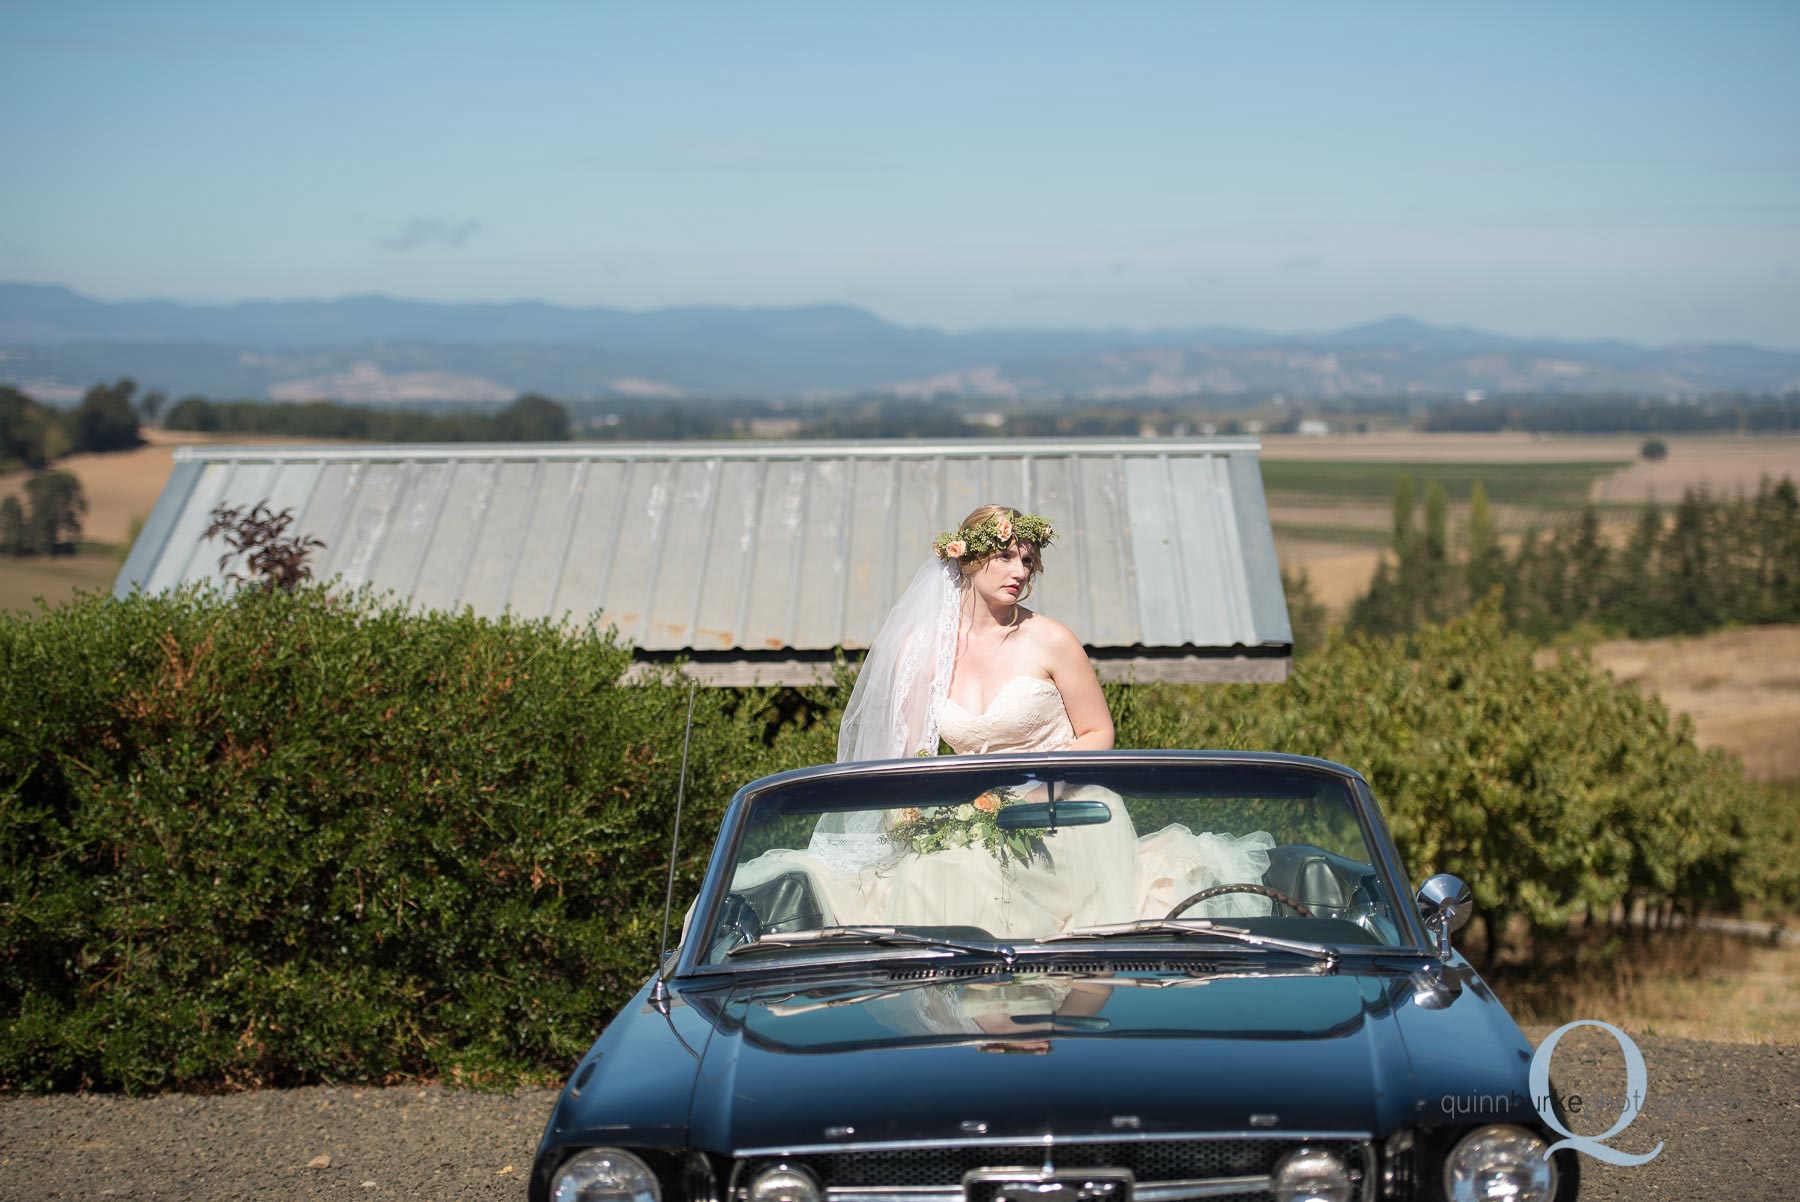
[
  {"x": 993, "y": 536},
  {"x": 972, "y": 824}
]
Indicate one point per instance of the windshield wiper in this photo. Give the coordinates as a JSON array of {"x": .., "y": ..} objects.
[
  {"x": 1195, "y": 926},
  {"x": 869, "y": 936}
]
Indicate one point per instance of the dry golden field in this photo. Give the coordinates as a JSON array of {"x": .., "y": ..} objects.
[
  {"x": 121, "y": 488},
  {"x": 1741, "y": 688},
  {"x": 56, "y": 579}
]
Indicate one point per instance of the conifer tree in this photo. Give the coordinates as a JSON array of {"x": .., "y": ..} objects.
[
  {"x": 1485, "y": 562},
  {"x": 1437, "y": 598},
  {"x": 13, "y": 540}
]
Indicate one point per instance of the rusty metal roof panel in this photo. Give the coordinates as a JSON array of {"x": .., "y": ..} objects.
[{"x": 759, "y": 551}]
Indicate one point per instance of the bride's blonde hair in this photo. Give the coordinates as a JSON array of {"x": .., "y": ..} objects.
[{"x": 986, "y": 513}]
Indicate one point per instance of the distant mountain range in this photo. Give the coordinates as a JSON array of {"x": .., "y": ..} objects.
[{"x": 55, "y": 343}]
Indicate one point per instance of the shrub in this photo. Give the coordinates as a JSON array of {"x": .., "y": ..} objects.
[
  {"x": 276, "y": 837},
  {"x": 1554, "y": 792}
]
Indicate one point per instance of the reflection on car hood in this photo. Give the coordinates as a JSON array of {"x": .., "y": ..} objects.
[{"x": 1036, "y": 1054}]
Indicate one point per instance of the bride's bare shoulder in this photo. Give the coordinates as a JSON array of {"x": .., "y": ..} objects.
[{"x": 1049, "y": 634}]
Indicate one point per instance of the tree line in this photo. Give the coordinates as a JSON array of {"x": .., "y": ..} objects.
[
  {"x": 1553, "y": 413},
  {"x": 48, "y": 522},
  {"x": 1706, "y": 562},
  {"x": 34, "y": 435},
  {"x": 531, "y": 418}
]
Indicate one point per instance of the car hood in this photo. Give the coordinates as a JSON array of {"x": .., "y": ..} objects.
[{"x": 1051, "y": 1054}]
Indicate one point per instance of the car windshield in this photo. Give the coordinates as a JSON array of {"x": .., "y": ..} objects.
[{"x": 1011, "y": 855}]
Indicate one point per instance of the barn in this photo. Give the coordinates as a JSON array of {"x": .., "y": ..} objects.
[{"x": 762, "y": 562}]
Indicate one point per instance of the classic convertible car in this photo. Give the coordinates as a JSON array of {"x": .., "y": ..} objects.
[{"x": 1117, "y": 977}]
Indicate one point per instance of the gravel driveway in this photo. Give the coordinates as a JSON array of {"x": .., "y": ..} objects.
[{"x": 1729, "y": 1115}]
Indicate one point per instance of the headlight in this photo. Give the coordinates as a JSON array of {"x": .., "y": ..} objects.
[
  {"x": 1310, "y": 1175},
  {"x": 604, "y": 1175},
  {"x": 1499, "y": 1162},
  {"x": 784, "y": 1183}
]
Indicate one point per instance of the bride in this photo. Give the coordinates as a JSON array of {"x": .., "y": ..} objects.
[{"x": 960, "y": 658}]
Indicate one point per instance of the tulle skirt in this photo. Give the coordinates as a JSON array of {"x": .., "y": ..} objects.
[{"x": 1084, "y": 875}]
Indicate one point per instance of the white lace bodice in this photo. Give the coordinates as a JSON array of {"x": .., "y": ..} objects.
[{"x": 1027, "y": 714}]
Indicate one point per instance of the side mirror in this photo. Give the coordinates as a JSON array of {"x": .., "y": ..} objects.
[{"x": 1445, "y": 904}]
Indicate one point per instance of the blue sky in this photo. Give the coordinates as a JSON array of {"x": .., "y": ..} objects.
[{"x": 1594, "y": 169}]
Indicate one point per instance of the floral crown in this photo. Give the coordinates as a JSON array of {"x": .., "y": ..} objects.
[{"x": 993, "y": 536}]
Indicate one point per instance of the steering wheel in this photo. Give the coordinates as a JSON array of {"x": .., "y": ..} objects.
[{"x": 1291, "y": 903}]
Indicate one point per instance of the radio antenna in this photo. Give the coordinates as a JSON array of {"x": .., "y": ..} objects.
[{"x": 659, "y": 988}]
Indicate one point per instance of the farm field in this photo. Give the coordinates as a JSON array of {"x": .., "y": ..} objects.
[
  {"x": 1714, "y": 459},
  {"x": 121, "y": 488},
  {"x": 1741, "y": 688},
  {"x": 58, "y": 578},
  {"x": 1330, "y": 498}
]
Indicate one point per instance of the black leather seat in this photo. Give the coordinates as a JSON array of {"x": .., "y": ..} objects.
[
  {"x": 784, "y": 904},
  {"x": 1324, "y": 882}
]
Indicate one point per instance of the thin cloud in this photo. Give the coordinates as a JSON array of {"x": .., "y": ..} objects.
[{"x": 432, "y": 231}]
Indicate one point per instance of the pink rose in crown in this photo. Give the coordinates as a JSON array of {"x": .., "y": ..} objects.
[
  {"x": 1003, "y": 527},
  {"x": 956, "y": 548},
  {"x": 909, "y": 814},
  {"x": 987, "y": 803}
]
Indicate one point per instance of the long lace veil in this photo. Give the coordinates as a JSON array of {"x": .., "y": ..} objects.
[{"x": 893, "y": 710}]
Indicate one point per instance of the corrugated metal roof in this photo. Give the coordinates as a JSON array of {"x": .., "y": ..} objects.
[{"x": 759, "y": 553}]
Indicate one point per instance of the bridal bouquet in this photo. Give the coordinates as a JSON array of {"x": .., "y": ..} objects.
[{"x": 971, "y": 824}]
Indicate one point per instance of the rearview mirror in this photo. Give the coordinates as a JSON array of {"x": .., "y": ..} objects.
[
  {"x": 1033, "y": 815},
  {"x": 1066, "y": 1022}
]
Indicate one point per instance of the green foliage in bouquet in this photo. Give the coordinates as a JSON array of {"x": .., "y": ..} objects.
[{"x": 972, "y": 824}]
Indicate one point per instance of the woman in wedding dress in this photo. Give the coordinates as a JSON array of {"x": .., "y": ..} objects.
[
  {"x": 1021, "y": 681},
  {"x": 962, "y": 659}
]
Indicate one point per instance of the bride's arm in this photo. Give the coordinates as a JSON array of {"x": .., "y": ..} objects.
[{"x": 1073, "y": 674}]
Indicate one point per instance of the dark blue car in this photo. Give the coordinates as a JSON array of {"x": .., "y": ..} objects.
[{"x": 1116, "y": 977}]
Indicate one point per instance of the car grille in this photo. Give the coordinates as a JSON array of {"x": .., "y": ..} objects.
[{"x": 1159, "y": 1167}]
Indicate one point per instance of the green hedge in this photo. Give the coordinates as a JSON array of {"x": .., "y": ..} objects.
[
  {"x": 273, "y": 839},
  {"x": 285, "y": 838}
]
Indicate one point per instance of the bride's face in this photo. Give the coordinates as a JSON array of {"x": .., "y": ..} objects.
[{"x": 1002, "y": 580}]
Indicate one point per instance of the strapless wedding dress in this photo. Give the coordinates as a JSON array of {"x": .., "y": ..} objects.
[
  {"x": 1104, "y": 873},
  {"x": 1087, "y": 874}
]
